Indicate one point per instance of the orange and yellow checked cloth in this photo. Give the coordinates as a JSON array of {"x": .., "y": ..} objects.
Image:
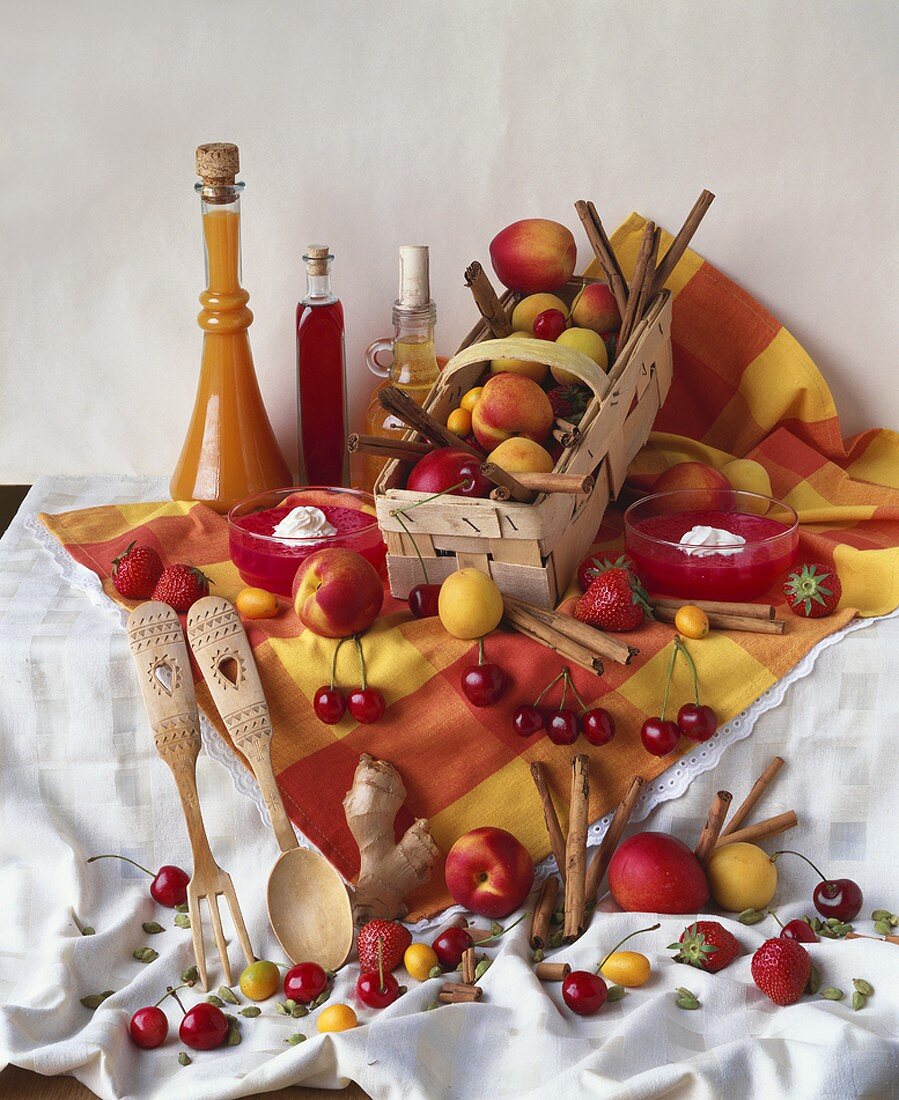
[{"x": 742, "y": 387}]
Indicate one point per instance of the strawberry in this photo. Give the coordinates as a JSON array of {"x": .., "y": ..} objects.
[
  {"x": 614, "y": 601},
  {"x": 781, "y": 969},
  {"x": 135, "y": 572},
  {"x": 180, "y": 586},
  {"x": 591, "y": 566},
  {"x": 813, "y": 590},
  {"x": 394, "y": 937},
  {"x": 707, "y": 945},
  {"x": 569, "y": 402}
]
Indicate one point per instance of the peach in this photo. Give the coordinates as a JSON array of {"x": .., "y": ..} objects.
[
  {"x": 587, "y": 342},
  {"x": 533, "y": 255},
  {"x": 337, "y": 593},
  {"x": 519, "y": 455},
  {"x": 524, "y": 314},
  {"x": 657, "y": 873},
  {"x": 698, "y": 476},
  {"x": 489, "y": 872},
  {"x": 595, "y": 308},
  {"x": 526, "y": 367},
  {"x": 511, "y": 405}
]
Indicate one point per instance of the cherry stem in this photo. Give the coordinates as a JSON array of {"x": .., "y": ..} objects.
[
  {"x": 334, "y": 662},
  {"x": 174, "y": 992},
  {"x": 790, "y": 852},
  {"x": 381, "y": 988},
  {"x": 771, "y": 913},
  {"x": 566, "y": 680},
  {"x": 170, "y": 991},
  {"x": 421, "y": 560},
  {"x": 552, "y": 683},
  {"x": 576, "y": 694},
  {"x": 668, "y": 680},
  {"x": 358, "y": 642},
  {"x": 139, "y": 866},
  {"x": 424, "y": 500},
  {"x": 503, "y": 931},
  {"x": 480, "y": 651},
  {"x": 629, "y": 936},
  {"x": 689, "y": 656}
]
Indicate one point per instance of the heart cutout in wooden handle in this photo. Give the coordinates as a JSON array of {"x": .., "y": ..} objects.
[{"x": 160, "y": 653}]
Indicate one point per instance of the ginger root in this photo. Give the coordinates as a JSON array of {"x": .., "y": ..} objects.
[{"x": 388, "y": 869}]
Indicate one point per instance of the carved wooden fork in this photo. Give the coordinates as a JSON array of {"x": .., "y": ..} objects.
[{"x": 157, "y": 645}]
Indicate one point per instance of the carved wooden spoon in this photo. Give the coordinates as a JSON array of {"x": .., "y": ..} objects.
[{"x": 308, "y": 903}]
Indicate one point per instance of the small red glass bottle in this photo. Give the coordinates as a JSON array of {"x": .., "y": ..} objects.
[{"x": 321, "y": 377}]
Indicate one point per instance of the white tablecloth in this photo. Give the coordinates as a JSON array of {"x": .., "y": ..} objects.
[{"x": 78, "y": 775}]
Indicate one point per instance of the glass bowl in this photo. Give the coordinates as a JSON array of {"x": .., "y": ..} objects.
[
  {"x": 264, "y": 561},
  {"x": 653, "y": 528}
]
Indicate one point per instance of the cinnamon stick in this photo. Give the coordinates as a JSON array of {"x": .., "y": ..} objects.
[
  {"x": 453, "y": 993},
  {"x": 630, "y": 316},
  {"x": 862, "y": 936},
  {"x": 751, "y": 834},
  {"x": 552, "y": 972},
  {"x": 502, "y": 478},
  {"x": 718, "y": 607},
  {"x": 406, "y": 450},
  {"x": 643, "y": 295},
  {"x": 576, "y": 484},
  {"x": 414, "y": 416},
  {"x": 543, "y": 911},
  {"x": 679, "y": 245},
  {"x": 468, "y": 966},
  {"x": 747, "y": 623},
  {"x": 566, "y": 433},
  {"x": 758, "y": 789},
  {"x": 551, "y": 625},
  {"x": 485, "y": 297},
  {"x": 612, "y": 838},
  {"x": 576, "y": 847},
  {"x": 553, "y": 828},
  {"x": 708, "y": 838},
  {"x": 559, "y": 643},
  {"x": 603, "y": 251}
]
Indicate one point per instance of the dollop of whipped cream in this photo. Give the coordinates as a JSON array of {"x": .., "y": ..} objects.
[
  {"x": 702, "y": 541},
  {"x": 304, "y": 522}
]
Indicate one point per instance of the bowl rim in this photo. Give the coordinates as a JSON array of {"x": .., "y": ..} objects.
[
  {"x": 629, "y": 524},
  {"x": 309, "y": 540}
]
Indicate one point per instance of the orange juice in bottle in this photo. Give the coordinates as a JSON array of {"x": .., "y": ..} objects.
[
  {"x": 413, "y": 367},
  {"x": 230, "y": 451}
]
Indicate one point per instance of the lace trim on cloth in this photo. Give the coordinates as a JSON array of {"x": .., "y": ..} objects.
[{"x": 670, "y": 785}]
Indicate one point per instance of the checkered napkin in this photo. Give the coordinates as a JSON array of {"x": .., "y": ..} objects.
[{"x": 742, "y": 387}]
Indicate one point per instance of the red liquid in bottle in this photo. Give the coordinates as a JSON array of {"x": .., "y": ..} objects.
[{"x": 321, "y": 380}]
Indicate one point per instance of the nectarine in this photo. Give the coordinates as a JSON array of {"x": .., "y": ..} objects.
[
  {"x": 519, "y": 455},
  {"x": 337, "y": 593},
  {"x": 489, "y": 871},
  {"x": 595, "y": 308},
  {"x": 657, "y": 873},
  {"x": 533, "y": 255},
  {"x": 511, "y": 405},
  {"x": 696, "y": 475}
]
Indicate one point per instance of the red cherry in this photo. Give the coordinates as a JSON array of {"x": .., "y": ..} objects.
[
  {"x": 304, "y": 982},
  {"x": 798, "y": 930},
  {"x": 598, "y": 726},
  {"x": 659, "y": 737},
  {"x": 329, "y": 705},
  {"x": 204, "y": 1027},
  {"x": 549, "y": 325},
  {"x": 697, "y": 722},
  {"x": 365, "y": 704},
  {"x": 562, "y": 727},
  {"x": 583, "y": 992},
  {"x": 423, "y": 600},
  {"x": 149, "y": 1027},
  {"x": 484, "y": 684},
  {"x": 375, "y": 992},
  {"x": 449, "y": 946},
  {"x": 169, "y": 885},
  {"x": 527, "y": 720},
  {"x": 838, "y": 897}
]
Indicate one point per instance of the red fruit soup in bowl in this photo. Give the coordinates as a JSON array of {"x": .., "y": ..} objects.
[
  {"x": 271, "y": 533},
  {"x": 732, "y": 547}
]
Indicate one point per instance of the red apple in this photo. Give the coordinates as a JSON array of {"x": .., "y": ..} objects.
[
  {"x": 657, "y": 873},
  {"x": 714, "y": 490},
  {"x": 489, "y": 871},
  {"x": 533, "y": 255},
  {"x": 447, "y": 466},
  {"x": 337, "y": 592}
]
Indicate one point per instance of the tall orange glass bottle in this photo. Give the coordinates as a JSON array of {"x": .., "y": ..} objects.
[{"x": 230, "y": 451}]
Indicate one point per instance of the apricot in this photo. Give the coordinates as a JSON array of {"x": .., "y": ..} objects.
[
  {"x": 529, "y": 308},
  {"x": 741, "y": 876},
  {"x": 520, "y": 455},
  {"x": 469, "y": 605},
  {"x": 533, "y": 255},
  {"x": 587, "y": 342}
]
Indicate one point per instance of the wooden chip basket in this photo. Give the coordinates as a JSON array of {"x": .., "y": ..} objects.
[{"x": 531, "y": 550}]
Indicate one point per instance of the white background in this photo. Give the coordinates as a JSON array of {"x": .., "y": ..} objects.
[{"x": 368, "y": 125}]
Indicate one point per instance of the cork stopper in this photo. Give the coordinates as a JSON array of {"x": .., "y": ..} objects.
[
  {"x": 218, "y": 163},
  {"x": 415, "y": 287},
  {"x": 317, "y": 258}
]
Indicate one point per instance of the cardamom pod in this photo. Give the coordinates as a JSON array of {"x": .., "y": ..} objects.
[
  {"x": 145, "y": 954},
  {"x": 213, "y": 1000},
  {"x": 555, "y": 940},
  {"x": 321, "y": 998},
  {"x": 282, "y": 1009},
  {"x": 859, "y": 1000},
  {"x": 481, "y": 969},
  {"x": 686, "y": 1002},
  {"x": 233, "y": 1038},
  {"x": 615, "y": 993},
  {"x": 832, "y": 922},
  {"x": 182, "y": 920},
  {"x": 251, "y": 1011},
  {"x": 815, "y": 924},
  {"x": 292, "y": 1040},
  {"x": 496, "y": 929},
  {"x": 814, "y": 980},
  {"x": 299, "y": 1012},
  {"x": 88, "y": 930},
  {"x": 538, "y": 955},
  {"x": 190, "y": 975},
  {"x": 184, "y": 1059},
  {"x": 182, "y": 908},
  {"x": 894, "y": 921},
  {"x": 227, "y": 995},
  {"x": 881, "y": 914},
  {"x": 435, "y": 972},
  {"x": 883, "y": 927},
  {"x": 751, "y": 916},
  {"x": 558, "y": 917},
  {"x": 94, "y": 1000},
  {"x": 832, "y": 994},
  {"x": 152, "y": 928},
  {"x": 865, "y": 988},
  {"x": 431, "y": 1006}
]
